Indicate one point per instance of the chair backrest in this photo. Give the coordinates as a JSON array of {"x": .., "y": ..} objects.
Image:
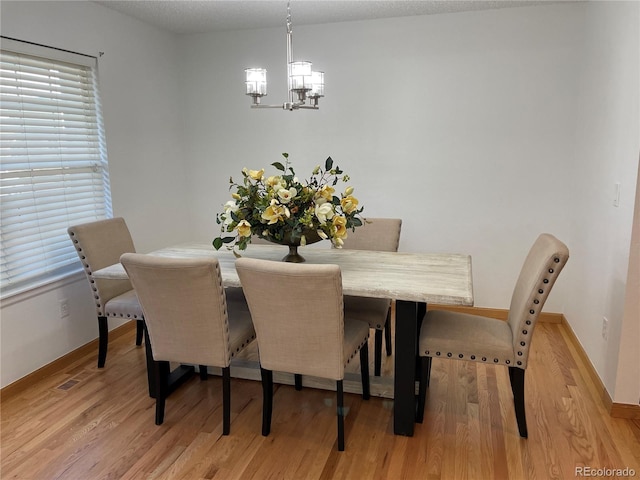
[
  {"x": 298, "y": 315},
  {"x": 541, "y": 268},
  {"x": 100, "y": 244},
  {"x": 184, "y": 307},
  {"x": 381, "y": 234}
]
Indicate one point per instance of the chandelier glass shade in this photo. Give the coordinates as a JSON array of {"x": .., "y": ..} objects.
[{"x": 303, "y": 83}]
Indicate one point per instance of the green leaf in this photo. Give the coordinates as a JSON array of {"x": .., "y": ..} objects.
[
  {"x": 356, "y": 222},
  {"x": 278, "y": 165},
  {"x": 285, "y": 155},
  {"x": 217, "y": 243},
  {"x": 328, "y": 163},
  {"x": 228, "y": 239}
]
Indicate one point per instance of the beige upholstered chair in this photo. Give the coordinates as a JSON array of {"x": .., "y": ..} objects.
[
  {"x": 462, "y": 336},
  {"x": 300, "y": 326},
  {"x": 100, "y": 244},
  {"x": 381, "y": 234},
  {"x": 189, "y": 319}
]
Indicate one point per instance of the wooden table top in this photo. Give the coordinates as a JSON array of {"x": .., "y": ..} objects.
[{"x": 420, "y": 277}]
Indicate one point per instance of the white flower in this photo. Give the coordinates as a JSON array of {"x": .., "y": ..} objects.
[
  {"x": 321, "y": 234},
  {"x": 229, "y": 207},
  {"x": 286, "y": 195},
  {"x": 303, "y": 241},
  {"x": 324, "y": 212}
]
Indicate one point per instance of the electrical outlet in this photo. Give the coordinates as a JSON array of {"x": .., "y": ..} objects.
[
  {"x": 605, "y": 328},
  {"x": 64, "y": 308}
]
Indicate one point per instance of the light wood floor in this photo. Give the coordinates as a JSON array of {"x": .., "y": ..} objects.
[{"x": 86, "y": 423}]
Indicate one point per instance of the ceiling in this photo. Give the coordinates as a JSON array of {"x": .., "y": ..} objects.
[{"x": 199, "y": 16}]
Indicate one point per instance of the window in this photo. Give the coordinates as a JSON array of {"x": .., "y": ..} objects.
[{"x": 53, "y": 162}]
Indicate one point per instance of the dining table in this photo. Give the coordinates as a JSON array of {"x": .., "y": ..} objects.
[{"x": 411, "y": 279}]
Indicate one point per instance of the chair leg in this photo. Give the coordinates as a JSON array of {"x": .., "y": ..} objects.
[
  {"x": 340, "y": 395},
  {"x": 267, "y": 400},
  {"x": 139, "y": 331},
  {"x": 161, "y": 373},
  {"x": 203, "y": 372},
  {"x": 226, "y": 400},
  {"x": 425, "y": 370},
  {"x": 298, "y": 381},
  {"x": 364, "y": 371},
  {"x": 103, "y": 340},
  {"x": 387, "y": 333},
  {"x": 377, "y": 362},
  {"x": 516, "y": 376}
]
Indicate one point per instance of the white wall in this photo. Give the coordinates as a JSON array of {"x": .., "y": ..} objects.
[
  {"x": 460, "y": 124},
  {"x": 140, "y": 87},
  {"x": 607, "y": 130},
  {"x": 479, "y": 129}
]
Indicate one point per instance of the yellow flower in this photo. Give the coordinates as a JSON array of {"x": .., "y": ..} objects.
[
  {"x": 273, "y": 181},
  {"x": 340, "y": 224},
  {"x": 349, "y": 204},
  {"x": 326, "y": 192},
  {"x": 244, "y": 228},
  {"x": 348, "y": 191},
  {"x": 236, "y": 196},
  {"x": 256, "y": 174},
  {"x": 274, "y": 212}
]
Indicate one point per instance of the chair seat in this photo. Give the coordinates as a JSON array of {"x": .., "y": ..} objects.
[
  {"x": 356, "y": 334},
  {"x": 124, "y": 306},
  {"x": 468, "y": 337},
  {"x": 370, "y": 310}
]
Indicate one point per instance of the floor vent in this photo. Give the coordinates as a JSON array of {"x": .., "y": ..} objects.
[{"x": 68, "y": 384}]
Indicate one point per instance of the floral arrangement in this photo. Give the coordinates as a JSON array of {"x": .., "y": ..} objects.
[{"x": 282, "y": 209}]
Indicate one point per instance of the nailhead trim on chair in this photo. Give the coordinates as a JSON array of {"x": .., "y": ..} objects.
[
  {"x": 245, "y": 343},
  {"x": 357, "y": 350},
  {"x": 522, "y": 343},
  {"x": 91, "y": 280},
  {"x": 121, "y": 315}
]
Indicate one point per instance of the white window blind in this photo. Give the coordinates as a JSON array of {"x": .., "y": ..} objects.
[{"x": 53, "y": 163}]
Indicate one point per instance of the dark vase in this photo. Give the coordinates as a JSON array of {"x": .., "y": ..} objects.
[{"x": 294, "y": 257}]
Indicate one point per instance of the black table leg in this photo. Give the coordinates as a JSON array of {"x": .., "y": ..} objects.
[
  {"x": 176, "y": 377},
  {"x": 408, "y": 318}
]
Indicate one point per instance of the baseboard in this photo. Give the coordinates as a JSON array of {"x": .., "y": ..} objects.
[
  {"x": 63, "y": 362},
  {"x": 618, "y": 410},
  {"x": 498, "y": 313},
  {"x": 625, "y": 410}
]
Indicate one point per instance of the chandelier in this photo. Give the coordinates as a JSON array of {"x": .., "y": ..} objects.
[{"x": 303, "y": 83}]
